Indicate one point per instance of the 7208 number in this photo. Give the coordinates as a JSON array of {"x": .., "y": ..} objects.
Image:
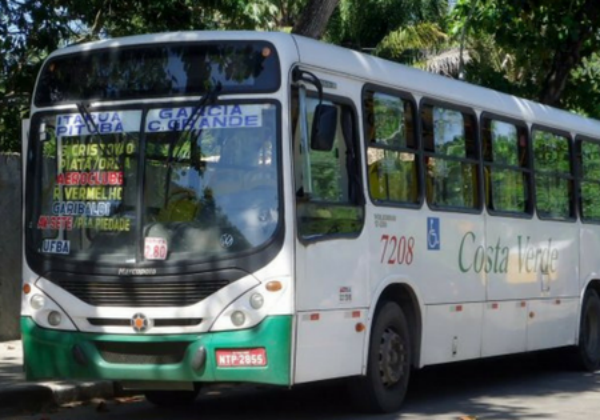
[{"x": 397, "y": 250}]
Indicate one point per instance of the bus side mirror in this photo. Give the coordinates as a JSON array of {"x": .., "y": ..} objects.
[{"x": 323, "y": 128}]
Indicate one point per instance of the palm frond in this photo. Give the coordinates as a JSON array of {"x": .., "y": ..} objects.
[
  {"x": 446, "y": 63},
  {"x": 422, "y": 36}
]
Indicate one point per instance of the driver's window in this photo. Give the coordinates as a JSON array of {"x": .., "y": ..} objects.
[{"x": 328, "y": 191}]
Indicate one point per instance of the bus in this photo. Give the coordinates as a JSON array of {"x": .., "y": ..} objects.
[{"x": 252, "y": 207}]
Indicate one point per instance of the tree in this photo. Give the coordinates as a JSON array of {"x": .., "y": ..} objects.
[
  {"x": 364, "y": 24},
  {"x": 546, "y": 40},
  {"x": 314, "y": 19},
  {"x": 30, "y": 30}
]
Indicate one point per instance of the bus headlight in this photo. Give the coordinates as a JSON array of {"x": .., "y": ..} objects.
[
  {"x": 238, "y": 318},
  {"x": 45, "y": 311},
  {"x": 257, "y": 301},
  {"x": 251, "y": 308},
  {"x": 54, "y": 318},
  {"x": 37, "y": 302}
]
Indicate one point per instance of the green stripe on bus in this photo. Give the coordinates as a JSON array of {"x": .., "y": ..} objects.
[{"x": 49, "y": 354}]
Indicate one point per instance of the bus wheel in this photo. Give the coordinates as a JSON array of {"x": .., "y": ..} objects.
[
  {"x": 588, "y": 350},
  {"x": 383, "y": 389},
  {"x": 172, "y": 398}
]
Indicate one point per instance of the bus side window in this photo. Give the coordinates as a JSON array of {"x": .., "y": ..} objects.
[
  {"x": 451, "y": 158},
  {"x": 554, "y": 179},
  {"x": 506, "y": 167},
  {"x": 392, "y": 149},
  {"x": 334, "y": 205},
  {"x": 589, "y": 179}
]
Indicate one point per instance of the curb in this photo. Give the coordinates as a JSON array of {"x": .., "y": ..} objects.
[{"x": 40, "y": 396}]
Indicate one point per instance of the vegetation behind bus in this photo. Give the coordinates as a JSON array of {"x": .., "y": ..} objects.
[{"x": 560, "y": 64}]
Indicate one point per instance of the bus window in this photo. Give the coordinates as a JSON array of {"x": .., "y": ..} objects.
[
  {"x": 202, "y": 185},
  {"x": 334, "y": 204},
  {"x": 392, "y": 149},
  {"x": 589, "y": 183},
  {"x": 451, "y": 158},
  {"x": 506, "y": 173},
  {"x": 553, "y": 175}
]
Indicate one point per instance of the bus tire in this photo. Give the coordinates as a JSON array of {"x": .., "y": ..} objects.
[
  {"x": 383, "y": 388},
  {"x": 587, "y": 354},
  {"x": 172, "y": 398}
]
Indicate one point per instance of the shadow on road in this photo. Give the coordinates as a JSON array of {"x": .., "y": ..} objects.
[{"x": 492, "y": 389}]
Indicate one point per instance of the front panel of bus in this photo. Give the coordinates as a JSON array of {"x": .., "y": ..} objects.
[{"x": 155, "y": 223}]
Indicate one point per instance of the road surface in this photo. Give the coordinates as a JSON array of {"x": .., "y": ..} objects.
[{"x": 515, "y": 388}]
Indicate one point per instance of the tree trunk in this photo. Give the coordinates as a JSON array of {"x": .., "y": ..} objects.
[
  {"x": 314, "y": 18},
  {"x": 564, "y": 62}
]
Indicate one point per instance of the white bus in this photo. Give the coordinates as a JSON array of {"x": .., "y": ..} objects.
[{"x": 208, "y": 207}]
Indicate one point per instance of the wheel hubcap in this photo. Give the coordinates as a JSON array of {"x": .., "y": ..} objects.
[{"x": 392, "y": 357}]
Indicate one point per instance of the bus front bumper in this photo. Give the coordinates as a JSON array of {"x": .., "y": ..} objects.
[{"x": 51, "y": 354}]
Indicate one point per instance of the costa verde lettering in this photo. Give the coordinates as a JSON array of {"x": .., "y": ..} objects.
[
  {"x": 490, "y": 259},
  {"x": 536, "y": 259},
  {"x": 496, "y": 258}
]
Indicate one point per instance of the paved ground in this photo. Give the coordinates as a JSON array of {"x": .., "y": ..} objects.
[
  {"x": 17, "y": 395},
  {"x": 520, "y": 388},
  {"x": 11, "y": 358}
]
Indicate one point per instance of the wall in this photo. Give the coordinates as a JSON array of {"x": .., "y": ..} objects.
[{"x": 10, "y": 245}]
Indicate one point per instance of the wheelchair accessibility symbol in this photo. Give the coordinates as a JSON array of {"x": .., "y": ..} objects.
[{"x": 433, "y": 233}]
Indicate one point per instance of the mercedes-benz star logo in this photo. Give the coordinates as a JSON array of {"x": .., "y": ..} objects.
[{"x": 140, "y": 323}]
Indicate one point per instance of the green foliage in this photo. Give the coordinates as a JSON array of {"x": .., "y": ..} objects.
[
  {"x": 531, "y": 48},
  {"x": 582, "y": 91},
  {"x": 410, "y": 42},
  {"x": 363, "y": 24},
  {"x": 31, "y": 29},
  {"x": 539, "y": 49}
]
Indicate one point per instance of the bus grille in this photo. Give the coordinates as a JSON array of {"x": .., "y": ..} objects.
[
  {"x": 137, "y": 295},
  {"x": 142, "y": 353},
  {"x": 168, "y": 322}
]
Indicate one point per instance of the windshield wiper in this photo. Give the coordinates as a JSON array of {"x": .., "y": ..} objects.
[
  {"x": 208, "y": 99},
  {"x": 87, "y": 118}
]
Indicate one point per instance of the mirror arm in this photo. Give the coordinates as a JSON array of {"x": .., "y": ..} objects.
[{"x": 305, "y": 76}]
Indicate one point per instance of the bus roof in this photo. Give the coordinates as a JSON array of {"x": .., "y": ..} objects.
[
  {"x": 422, "y": 83},
  {"x": 294, "y": 48}
]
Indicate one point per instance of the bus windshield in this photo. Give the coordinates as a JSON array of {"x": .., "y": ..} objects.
[{"x": 142, "y": 185}]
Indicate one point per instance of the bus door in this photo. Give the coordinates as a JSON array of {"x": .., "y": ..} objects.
[{"x": 331, "y": 257}]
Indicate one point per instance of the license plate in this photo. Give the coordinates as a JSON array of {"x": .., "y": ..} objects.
[{"x": 241, "y": 358}]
